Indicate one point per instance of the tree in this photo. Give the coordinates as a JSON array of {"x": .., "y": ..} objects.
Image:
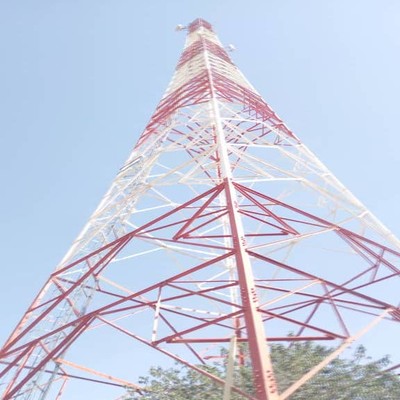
[{"x": 357, "y": 378}]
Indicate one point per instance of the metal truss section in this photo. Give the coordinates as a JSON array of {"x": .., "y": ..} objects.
[{"x": 220, "y": 234}]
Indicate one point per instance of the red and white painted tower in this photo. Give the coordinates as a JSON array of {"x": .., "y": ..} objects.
[{"x": 221, "y": 228}]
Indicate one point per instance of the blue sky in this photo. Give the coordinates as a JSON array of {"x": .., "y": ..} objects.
[{"x": 80, "y": 79}]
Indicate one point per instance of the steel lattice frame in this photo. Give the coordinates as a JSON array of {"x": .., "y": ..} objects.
[{"x": 221, "y": 227}]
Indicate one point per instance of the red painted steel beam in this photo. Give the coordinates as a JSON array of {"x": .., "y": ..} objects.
[{"x": 263, "y": 375}]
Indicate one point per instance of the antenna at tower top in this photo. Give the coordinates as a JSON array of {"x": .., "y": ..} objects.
[{"x": 180, "y": 27}]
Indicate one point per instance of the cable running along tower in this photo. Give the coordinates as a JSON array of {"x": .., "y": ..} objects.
[{"x": 221, "y": 234}]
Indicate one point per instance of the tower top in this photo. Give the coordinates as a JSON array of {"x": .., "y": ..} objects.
[
  {"x": 204, "y": 71},
  {"x": 199, "y": 23}
]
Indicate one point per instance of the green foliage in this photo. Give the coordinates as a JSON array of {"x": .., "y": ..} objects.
[
  {"x": 180, "y": 383},
  {"x": 357, "y": 378}
]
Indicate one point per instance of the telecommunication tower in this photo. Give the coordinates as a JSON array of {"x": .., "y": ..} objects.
[{"x": 221, "y": 234}]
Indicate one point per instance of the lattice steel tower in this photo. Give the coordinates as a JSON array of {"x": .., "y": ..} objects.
[{"x": 220, "y": 234}]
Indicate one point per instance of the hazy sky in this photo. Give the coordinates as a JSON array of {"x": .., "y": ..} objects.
[{"x": 79, "y": 79}]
